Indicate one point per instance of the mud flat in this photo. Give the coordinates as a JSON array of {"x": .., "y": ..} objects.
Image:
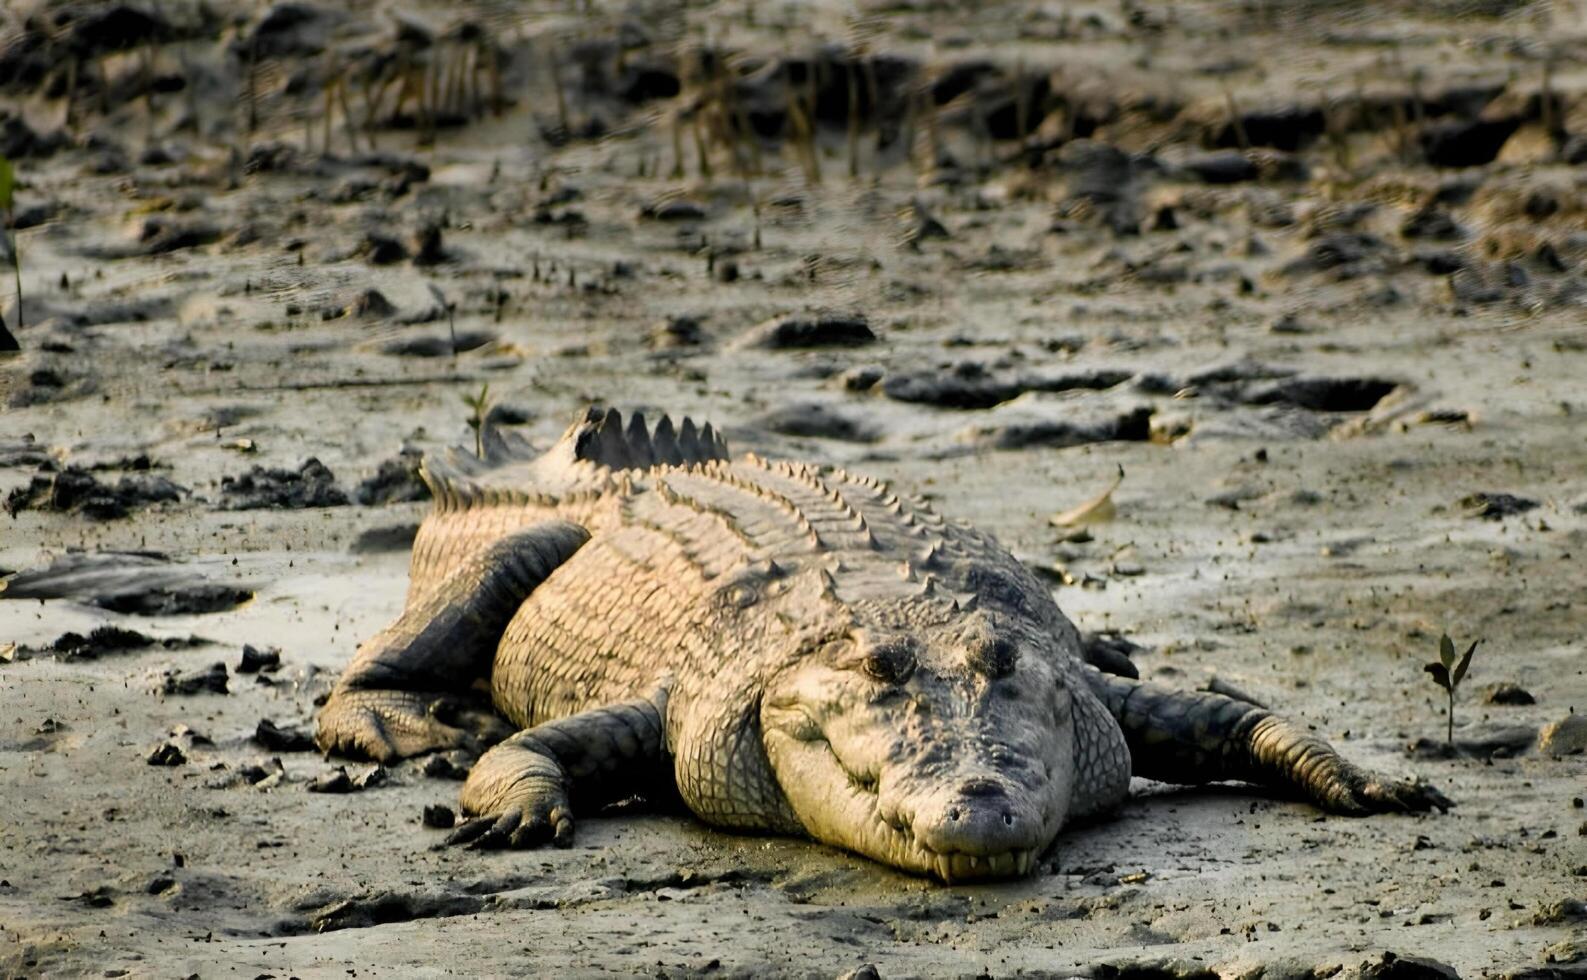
[{"x": 1312, "y": 276}]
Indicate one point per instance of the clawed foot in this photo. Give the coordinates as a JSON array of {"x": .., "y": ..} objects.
[
  {"x": 1381, "y": 795},
  {"x": 1369, "y": 792},
  {"x": 528, "y": 824},
  {"x": 390, "y": 725}
]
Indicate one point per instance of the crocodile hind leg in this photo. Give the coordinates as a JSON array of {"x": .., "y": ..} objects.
[
  {"x": 408, "y": 689},
  {"x": 523, "y": 791},
  {"x": 1196, "y": 737}
]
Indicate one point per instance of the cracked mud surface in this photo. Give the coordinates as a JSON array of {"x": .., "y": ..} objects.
[{"x": 1348, "y": 404}]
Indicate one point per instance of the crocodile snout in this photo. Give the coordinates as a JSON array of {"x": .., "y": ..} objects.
[{"x": 980, "y": 816}]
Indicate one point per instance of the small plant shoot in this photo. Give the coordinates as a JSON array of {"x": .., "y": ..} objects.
[
  {"x": 479, "y": 404},
  {"x": 7, "y": 209},
  {"x": 1447, "y": 673}
]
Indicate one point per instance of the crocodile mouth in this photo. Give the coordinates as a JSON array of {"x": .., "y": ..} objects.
[{"x": 885, "y": 837}]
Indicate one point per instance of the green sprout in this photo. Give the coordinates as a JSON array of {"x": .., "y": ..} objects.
[
  {"x": 480, "y": 405},
  {"x": 1448, "y": 673},
  {"x": 7, "y": 204}
]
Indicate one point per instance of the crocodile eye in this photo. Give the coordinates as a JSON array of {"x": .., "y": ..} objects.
[
  {"x": 994, "y": 657},
  {"x": 890, "y": 663},
  {"x": 740, "y": 596}
]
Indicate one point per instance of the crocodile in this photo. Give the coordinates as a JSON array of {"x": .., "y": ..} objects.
[{"x": 783, "y": 648}]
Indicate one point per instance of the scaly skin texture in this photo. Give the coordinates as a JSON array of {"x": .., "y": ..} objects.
[{"x": 785, "y": 648}]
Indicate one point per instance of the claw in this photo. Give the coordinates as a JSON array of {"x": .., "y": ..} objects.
[
  {"x": 468, "y": 832},
  {"x": 500, "y": 833}
]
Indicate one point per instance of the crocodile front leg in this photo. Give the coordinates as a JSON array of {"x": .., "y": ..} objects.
[
  {"x": 524, "y": 791},
  {"x": 408, "y": 689},
  {"x": 1196, "y": 737}
]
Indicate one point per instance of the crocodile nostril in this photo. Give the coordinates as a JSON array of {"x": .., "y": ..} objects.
[
  {"x": 1008, "y": 819},
  {"x": 953, "y": 813}
]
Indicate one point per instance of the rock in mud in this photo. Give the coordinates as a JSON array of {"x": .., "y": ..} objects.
[
  {"x": 1568, "y": 736},
  {"x": 1507, "y": 693},
  {"x": 211, "y": 680},
  {"x": 1466, "y": 143},
  {"x": 972, "y": 385},
  {"x": 805, "y": 330},
  {"x": 1223, "y": 167},
  {"x": 1495, "y": 506},
  {"x": 166, "y": 754},
  {"x": 276, "y": 739},
  {"x": 370, "y": 304},
  {"x": 1391, "y": 966},
  {"x": 1505, "y": 742},
  {"x": 1062, "y": 430},
  {"x": 445, "y": 766},
  {"x": 677, "y": 332},
  {"x": 1322, "y": 394},
  {"x": 438, "y": 817},
  {"x": 335, "y": 781},
  {"x": 105, "y": 641},
  {"x": 255, "y": 660},
  {"x": 159, "y": 236},
  {"x": 389, "y": 537},
  {"x": 427, "y": 246},
  {"x": 673, "y": 209},
  {"x": 145, "y": 583},
  {"x": 378, "y": 249},
  {"x": 966, "y": 385},
  {"x": 1289, "y": 128},
  {"x": 75, "y": 491},
  {"x": 816, "y": 420},
  {"x": 310, "y": 485},
  {"x": 395, "y": 481},
  {"x": 438, "y": 345}
]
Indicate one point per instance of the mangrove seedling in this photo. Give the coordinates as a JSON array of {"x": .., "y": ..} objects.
[
  {"x": 480, "y": 405},
  {"x": 1447, "y": 673},
  {"x": 7, "y": 200}
]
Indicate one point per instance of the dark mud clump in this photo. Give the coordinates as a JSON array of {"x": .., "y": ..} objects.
[
  {"x": 1495, "y": 506},
  {"x": 802, "y": 330},
  {"x": 442, "y": 345},
  {"x": 389, "y": 537},
  {"x": 395, "y": 481},
  {"x": 310, "y": 485},
  {"x": 1324, "y": 394},
  {"x": 109, "y": 640},
  {"x": 273, "y": 738},
  {"x": 144, "y": 583},
  {"x": 1134, "y": 425},
  {"x": 181, "y": 600},
  {"x": 255, "y": 661},
  {"x": 76, "y": 491},
  {"x": 816, "y": 420},
  {"x": 211, "y": 680},
  {"x": 972, "y": 385}
]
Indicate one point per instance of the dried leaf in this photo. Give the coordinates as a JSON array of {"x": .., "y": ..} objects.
[
  {"x": 1094, "y": 511},
  {"x": 1446, "y": 651},
  {"x": 1465, "y": 661},
  {"x": 1440, "y": 675}
]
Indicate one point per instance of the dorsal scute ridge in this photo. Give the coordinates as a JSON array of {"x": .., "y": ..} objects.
[{"x": 602, "y": 439}]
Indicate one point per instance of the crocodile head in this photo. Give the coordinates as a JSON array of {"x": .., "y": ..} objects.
[{"x": 936, "y": 741}]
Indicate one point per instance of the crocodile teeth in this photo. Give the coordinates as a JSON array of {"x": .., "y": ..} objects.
[
  {"x": 964, "y": 865},
  {"x": 1001, "y": 864},
  {"x": 944, "y": 867},
  {"x": 1022, "y": 862}
]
